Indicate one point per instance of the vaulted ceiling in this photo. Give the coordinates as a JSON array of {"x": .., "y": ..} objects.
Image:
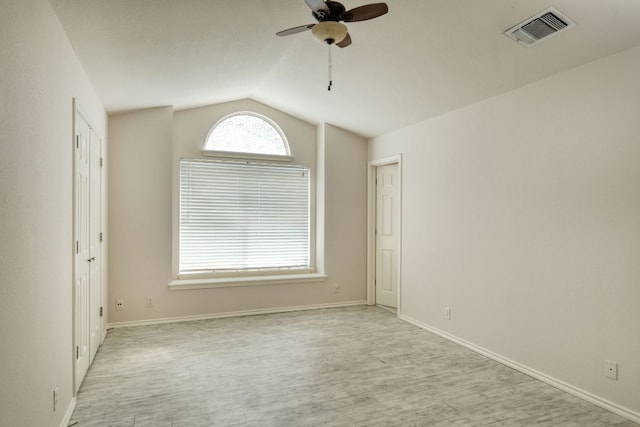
[{"x": 424, "y": 58}]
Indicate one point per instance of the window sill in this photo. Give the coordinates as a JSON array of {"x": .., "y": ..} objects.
[{"x": 232, "y": 282}]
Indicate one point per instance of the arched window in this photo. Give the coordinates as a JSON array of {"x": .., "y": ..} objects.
[
  {"x": 248, "y": 133},
  {"x": 239, "y": 217}
]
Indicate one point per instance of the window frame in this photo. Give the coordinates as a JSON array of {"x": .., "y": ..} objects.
[{"x": 200, "y": 280}]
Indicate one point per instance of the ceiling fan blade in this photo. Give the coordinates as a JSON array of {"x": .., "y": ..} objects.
[
  {"x": 368, "y": 11},
  {"x": 295, "y": 30},
  {"x": 345, "y": 42},
  {"x": 317, "y": 5}
]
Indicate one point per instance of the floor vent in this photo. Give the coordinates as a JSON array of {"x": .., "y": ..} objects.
[{"x": 542, "y": 26}]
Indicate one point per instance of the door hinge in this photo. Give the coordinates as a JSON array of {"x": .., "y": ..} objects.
[
  {"x": 77, "y": 353},
  {"x": 77, "y": 247},
  {"x": 101, "y": 162},
  {"x": 101, "y": 236},
  {"x": 77, "y": 141},
  {"x": 101, "y": 311}
]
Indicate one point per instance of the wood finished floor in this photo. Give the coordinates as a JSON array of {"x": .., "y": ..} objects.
[{"x": 357, "y": 366}]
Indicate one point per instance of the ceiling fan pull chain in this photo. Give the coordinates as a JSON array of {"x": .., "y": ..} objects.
[{"x": 330, "y": 70}]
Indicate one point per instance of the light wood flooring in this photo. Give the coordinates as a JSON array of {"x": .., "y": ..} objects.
[{"x": 356, "y": 366}]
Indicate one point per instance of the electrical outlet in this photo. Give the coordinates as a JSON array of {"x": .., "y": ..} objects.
[
  {"x": 55, "y": 398},
  {"x": 149, "y": 302},
  {"x": 447, "y": 313},
  {"x": 611, "y": 369},
  {"x": 119, "y": 304}
]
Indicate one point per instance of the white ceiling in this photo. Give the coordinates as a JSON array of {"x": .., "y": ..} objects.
[{"x": 424, "y": 58}]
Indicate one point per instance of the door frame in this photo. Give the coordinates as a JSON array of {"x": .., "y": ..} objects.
[{"x": 371, "y": 228}]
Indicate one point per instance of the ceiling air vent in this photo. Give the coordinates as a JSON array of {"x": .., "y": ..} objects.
[{"x": 542, "y": 26}]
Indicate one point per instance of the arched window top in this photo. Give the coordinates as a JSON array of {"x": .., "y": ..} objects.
[{"x": 248, "y": 133}]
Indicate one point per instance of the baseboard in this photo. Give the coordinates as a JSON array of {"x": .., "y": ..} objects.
[
  {"x": 234, "y": 314},
  {"x": 67, "y": 416},
  {"x": 582, "y": 394}
]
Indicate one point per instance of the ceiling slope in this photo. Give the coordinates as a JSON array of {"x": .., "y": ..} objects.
[{"x": 422, "y": 59}]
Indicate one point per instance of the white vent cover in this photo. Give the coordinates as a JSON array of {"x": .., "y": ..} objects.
[{"x": 539, "y": 27}]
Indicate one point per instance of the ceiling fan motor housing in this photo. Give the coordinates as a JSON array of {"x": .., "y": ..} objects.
[{"x": 336, "y": 12}]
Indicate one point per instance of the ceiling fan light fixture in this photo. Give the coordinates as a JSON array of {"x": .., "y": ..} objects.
[{"x": 329, "y": 32}]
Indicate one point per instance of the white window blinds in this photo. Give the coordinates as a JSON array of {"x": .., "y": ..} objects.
[{"x": 237, "y": 216}]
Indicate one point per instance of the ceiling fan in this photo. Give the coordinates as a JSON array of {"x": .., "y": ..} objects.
[
  {"x": 328, "y": 27},
  {"x": 330, "y": 15}
]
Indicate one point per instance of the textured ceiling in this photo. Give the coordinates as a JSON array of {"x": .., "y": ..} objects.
[{"x": 424, "y": 58}]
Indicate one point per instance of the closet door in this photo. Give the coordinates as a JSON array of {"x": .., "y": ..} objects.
[
  {"x": 88, "y": 247},
  {"x": 95, "y": 246},
  {"x": 82, "y": 264}
]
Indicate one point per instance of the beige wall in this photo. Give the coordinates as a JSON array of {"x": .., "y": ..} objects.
[
  {"x": 345, "y": 212},
  {"x": 144, "y": 149},
  {"x": 39, "y": 76},
  {"x": 522, "y": 214},
  {"x": 139, "y": 175}
]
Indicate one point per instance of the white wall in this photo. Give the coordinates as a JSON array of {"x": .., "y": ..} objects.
[
  {"x": 522, "y": 214},
  {"x": 146, "y": 145},
  {"x": 39, "y": 76}
]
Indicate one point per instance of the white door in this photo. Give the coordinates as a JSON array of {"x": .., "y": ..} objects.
[
  {"x": 88, "y": 237},
  {"x": 95, "y": 238},
  {"x": 82, "y": 248},
  {"x": 387, "y": 235}
]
